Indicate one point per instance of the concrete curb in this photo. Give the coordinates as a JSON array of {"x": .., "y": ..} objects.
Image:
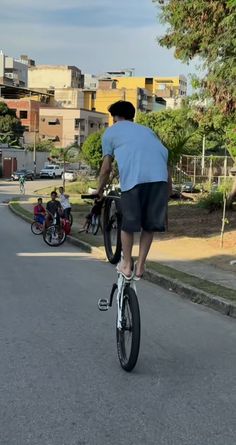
[
  {"x": 192, "y": 293},
  {"x": 198, "y": 296}
]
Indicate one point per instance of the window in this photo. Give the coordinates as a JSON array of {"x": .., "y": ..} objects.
[
  {"x": 53, "y": 122},
  {"x": 76, "y": 139},
  {"x": 77, "y": 122},
  {"x": 23, "y": 114}
]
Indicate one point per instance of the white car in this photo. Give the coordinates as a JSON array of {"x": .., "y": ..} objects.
[
  {"x": 70, "y": 175},
  {"x": 51, "y": 171}
]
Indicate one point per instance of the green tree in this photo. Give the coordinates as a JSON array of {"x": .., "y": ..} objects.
[
  {"x": 92, "y": 150},
  {"x": 42, "y": 146},
  {"x": 177, "y": 129},
  {"x": 205, "y": 29},
  {"x": 10, "y": 126}
]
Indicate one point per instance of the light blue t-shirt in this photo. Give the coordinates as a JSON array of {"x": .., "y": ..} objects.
[{"x": 140, "y": 155}]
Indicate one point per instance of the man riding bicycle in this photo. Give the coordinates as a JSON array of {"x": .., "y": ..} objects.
[{"x": 142, "y": 163}]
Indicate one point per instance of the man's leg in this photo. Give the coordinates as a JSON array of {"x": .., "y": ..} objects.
[
  {"x": 144, "y": 247},
  {"x": 127, "y": 240}
]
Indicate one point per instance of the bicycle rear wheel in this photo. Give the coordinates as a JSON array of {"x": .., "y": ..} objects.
[
  {"x": 112, "y": 228},
  {"x": 128, "y": 337},
  {"x": 36, "y": 228},
  {"x": 54, "y": 236}
]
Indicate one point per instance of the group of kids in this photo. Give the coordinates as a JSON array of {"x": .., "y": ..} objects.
[{"x": 61, "y": 207}]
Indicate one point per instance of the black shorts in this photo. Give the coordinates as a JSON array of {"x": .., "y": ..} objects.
[{"x": 145, "y": 207}]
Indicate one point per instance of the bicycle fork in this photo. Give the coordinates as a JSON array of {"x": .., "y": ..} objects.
[{"x": 104, "y": 304}]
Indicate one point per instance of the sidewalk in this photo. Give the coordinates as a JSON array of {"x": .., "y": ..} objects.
[{"x": 195, "y": 261}]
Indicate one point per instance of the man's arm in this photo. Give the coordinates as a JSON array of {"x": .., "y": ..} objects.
[{"x": 104, "y": 175}]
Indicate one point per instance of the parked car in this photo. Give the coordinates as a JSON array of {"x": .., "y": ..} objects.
[
  {"x": 70, "y": 175},
  {"x": 188, "y": 187},
  {"x": 175, "y": 194},
  {"x": 51, "y": 171},
  {"x": 28, "y": 174}
]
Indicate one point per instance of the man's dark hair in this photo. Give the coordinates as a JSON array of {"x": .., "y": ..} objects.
[{"x": 122, "y": 108}]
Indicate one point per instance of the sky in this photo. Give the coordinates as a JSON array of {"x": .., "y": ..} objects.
[{"x": 94, "y": 35}]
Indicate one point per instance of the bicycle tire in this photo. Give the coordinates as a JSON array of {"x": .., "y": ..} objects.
[
  {"x": 36, "y": 228},
  {"x": 70, "y": 219},
  {"x": 130, "y": 322},
  {"x": 54, "y": 236},
  {"x": 96, "y": 224},
  {"x": 112, "y": 221}
]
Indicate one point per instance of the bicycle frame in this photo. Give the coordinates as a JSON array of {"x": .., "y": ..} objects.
[
  {"x": 104, "y": 304},
  {"x": 121, "y": 283}
]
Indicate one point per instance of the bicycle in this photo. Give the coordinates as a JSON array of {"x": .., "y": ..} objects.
[
  {"x": 128, "y": 325},
  {"x": 110, "y": 223},
  {"x": 93, "y": 220},
  {"x": 54, "y": 235}
]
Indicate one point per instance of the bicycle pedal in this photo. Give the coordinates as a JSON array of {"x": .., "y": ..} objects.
[{"x": 103, "y": 304}]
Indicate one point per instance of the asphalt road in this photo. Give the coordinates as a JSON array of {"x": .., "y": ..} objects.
[{"x": 60, "y": 380}]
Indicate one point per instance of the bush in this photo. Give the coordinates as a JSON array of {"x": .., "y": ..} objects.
[{"x": 213, "y": 201}]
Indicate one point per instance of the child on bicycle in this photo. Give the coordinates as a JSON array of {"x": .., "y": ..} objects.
[
  {"x": 40, "y": 212},
  {"x": 95, "y": 211}
]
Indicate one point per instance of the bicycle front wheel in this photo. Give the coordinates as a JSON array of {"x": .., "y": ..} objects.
[
  {"x": 54, "y": 236},
  {"x": 128, "y": 336},
  {"x": 112, "y": 229}
]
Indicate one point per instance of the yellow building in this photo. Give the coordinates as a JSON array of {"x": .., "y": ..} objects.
[
  {"x": 135, "y": 82},
  {"x": 170, "y": 86},
  {"x": 108, "y": 92}
]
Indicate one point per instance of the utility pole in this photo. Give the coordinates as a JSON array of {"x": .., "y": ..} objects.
[
  {"x": 203, "y": 153},
  {"x": 34, "y": 152}
]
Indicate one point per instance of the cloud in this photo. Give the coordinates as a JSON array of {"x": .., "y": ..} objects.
[{"x": 77, "y": 32}]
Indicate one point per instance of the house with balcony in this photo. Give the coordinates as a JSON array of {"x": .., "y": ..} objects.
[{"x": 67, "y": 126}]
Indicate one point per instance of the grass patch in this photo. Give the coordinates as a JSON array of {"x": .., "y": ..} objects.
[
  {"x": 199, "y": 283},
  {"x": 74, "y": 188},
  {"x": 21, "y": 209}
]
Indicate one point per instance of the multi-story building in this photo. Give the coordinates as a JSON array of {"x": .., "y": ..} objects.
[
  {"x": 108, "y": 93},
  {"x": 69, "y": 98},
  {"x": 168, "y": 87},
  {"x": 27, "y": 110},
  {"x": 66, "y": 126},
  {"x": 51, "y": 77},
  {"x": 12, "y": 71},
  {"x": 90, "y": 82}
]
